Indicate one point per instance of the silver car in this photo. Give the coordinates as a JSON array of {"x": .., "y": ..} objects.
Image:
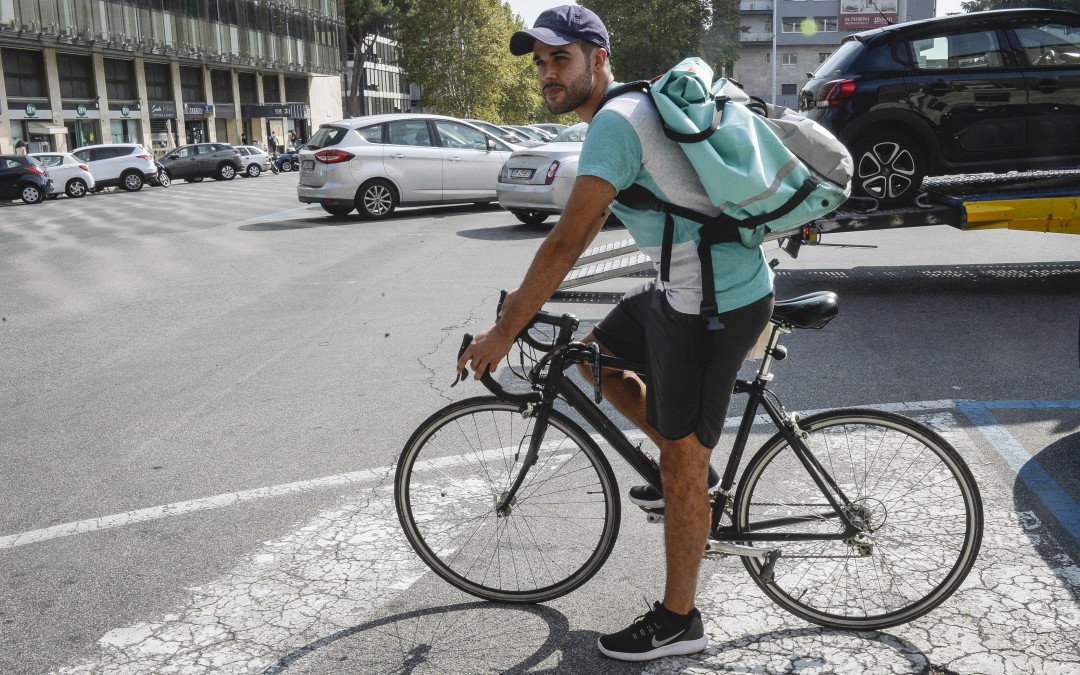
[
  {"x": 255, "y": 160},
  {"x": 378, "y": 163},
  {"x": 535, "y": 182}
]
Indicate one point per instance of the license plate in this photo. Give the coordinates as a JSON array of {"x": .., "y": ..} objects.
[
  {"x": 308, "y": 164},
  {"x": 521, "y": 173}
]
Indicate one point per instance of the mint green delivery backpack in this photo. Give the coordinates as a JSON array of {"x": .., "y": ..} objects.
[{"x": 767, "y": 168}]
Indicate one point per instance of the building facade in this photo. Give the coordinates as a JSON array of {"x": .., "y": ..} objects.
[
  {"x": 163, "y": 73},
  {"x": 807, "y": 32},
  {"x": 384, "y": 85}
]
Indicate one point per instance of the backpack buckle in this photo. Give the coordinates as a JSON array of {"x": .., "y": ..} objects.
[{"x": 721, "y": 101}]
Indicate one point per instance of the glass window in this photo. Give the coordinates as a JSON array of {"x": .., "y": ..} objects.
[
  {"x": 979, "y": 49},
  {"x": 158, "y": 81},
  {"x": 1050, "y": 44},
  {"x": 825, "y": 24},
  {"x": 50, "y": 160},
  {"x": 410, "y": 132},
  {"x": 373, "y": 134},
  {"x": 793, "y": 24},
  {"x": 790, "y": 59},
  {"x": 76, "y": 76},
  {"x": 822, "y": 57},
  {"x": 120, "y": 80},
  {"x": 24, "y": 74},
  {"x": 191, "y": 84},
  {"x": 327, "y": 136},
  {"x": 453, "y": 135},
  {"x": 789, "y": 89}
]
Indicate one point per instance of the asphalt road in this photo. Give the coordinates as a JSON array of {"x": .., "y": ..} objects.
[{"x": 204, "y": 389}]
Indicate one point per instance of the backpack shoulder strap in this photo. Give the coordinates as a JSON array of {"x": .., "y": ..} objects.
[{"x": 642, "y": 86}]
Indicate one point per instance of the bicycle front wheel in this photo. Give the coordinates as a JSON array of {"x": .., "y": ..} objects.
[
  {"x": 909, "y": 493},
  {"x": 556, "y": 533}
]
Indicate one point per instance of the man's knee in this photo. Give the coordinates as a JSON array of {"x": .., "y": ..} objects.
[{"x": 684, "y": 464}]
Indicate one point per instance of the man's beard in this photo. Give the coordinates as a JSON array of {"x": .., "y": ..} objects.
[{"x": 574, "y": 96}]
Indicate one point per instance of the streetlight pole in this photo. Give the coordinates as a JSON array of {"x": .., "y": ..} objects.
[{"x": 775, "y": 12}]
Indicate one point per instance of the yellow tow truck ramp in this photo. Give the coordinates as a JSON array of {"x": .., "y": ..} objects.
[{"x": 1036, "y": 201}]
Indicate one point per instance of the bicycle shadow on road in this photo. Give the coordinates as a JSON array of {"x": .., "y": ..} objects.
[{"x": 484, "y": 637}]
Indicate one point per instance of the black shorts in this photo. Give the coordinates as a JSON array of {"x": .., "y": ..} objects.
[{"x": 690, "y": 371}]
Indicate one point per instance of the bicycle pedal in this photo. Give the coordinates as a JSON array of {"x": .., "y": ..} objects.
[{"x": 653, "y": 515}]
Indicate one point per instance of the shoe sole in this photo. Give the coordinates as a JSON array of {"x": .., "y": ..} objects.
[{"x": 681, "y": 648}]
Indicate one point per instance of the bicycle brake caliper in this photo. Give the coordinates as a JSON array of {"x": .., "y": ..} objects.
[{"x": 792, "y": 421}]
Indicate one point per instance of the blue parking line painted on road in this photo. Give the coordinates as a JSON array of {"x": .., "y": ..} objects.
[{"x": 1063, "y": 507}]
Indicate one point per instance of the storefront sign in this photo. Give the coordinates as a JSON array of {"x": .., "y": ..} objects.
[
  {"x": 864, "y": 14},
  {"x": 289, "y": 110},
  {"x": 81, "y": 110},
  {"x": 125, "y": 111},
  {"x": 161, "y": 110},
  {"x": 198, "y": 110},
  {"x": 31, "y": 110}
]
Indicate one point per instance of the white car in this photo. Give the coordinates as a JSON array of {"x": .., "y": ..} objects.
[
  {"x": 255, "y": 160},
  {"x": 536, "y": 182},
  {"x": 375, "y": 164},
  {"x": 127, "y": 165},
  {"x": 69, "y": 175}
]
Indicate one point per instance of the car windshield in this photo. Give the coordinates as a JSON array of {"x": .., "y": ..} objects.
[
  {"x": 574, "y": 134},
  {"x": 325, "y": 137}
]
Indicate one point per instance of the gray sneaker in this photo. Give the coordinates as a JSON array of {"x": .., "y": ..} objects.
[{"x": 655, "y": 634}]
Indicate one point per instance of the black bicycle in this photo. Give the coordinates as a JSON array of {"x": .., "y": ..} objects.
[{"x": 850, "y": 518}]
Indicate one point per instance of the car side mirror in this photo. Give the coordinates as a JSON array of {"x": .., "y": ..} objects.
[{"x": 491, "y": 144}]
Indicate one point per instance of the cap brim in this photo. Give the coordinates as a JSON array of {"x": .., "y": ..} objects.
[{"x": 521, "y": 42}]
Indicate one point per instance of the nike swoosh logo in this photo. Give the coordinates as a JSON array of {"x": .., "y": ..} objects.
[{"x": 660, "y": 643}]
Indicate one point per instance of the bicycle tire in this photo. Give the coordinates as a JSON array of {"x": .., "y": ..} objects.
[
  {"x": 561, "y": 527},
  {"x": 912, "y": 490}
]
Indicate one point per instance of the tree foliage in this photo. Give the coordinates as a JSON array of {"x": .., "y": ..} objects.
[
  {"x": 457, "y": 51},
  {"x": 365, "y": 19},
  {"x": 650, "y": 36},
  {"x": 982, "y": 5}
]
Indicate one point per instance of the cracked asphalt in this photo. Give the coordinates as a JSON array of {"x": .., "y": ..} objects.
[{"x": 201, "y": 415}]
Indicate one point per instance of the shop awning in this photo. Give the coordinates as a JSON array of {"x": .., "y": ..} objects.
[{"x": 46, "y": 129}]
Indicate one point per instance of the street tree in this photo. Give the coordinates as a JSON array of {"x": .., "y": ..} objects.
[
  {"x": 364, "y": 19},
  {"x": 457, "y": 52},
  {"x": 650, "y": 36}
]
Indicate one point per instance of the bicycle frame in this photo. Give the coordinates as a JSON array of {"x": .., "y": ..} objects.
[{"x": 556, "y": 384}]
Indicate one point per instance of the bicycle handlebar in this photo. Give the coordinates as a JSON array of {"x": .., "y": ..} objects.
[
  {"x": 488, "y": 381},
  {"x": 566, "y": 323}
]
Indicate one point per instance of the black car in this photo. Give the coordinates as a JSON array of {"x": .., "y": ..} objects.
[
  {"x": 24, "y": 178},
  {"x": 203, "y": 160},
  {"x": 987, "y": 91}
]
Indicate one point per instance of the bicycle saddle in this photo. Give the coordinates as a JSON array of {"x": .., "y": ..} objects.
[{"x": 812, "y": 310}]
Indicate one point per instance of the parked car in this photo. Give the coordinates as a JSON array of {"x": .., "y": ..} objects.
[
  {"x": 287, "y": 161},
  {"x": 196, "y": 161},
  {"x": 535, "y": 182},
  {"x": 126, "y": 165},
  {"x": 255, "y": 160},
  {"x": 69, "y": 175},
  {"x": 551, "y": 128},
  {"x": 375, "y": 164},
  {"x": 987, "y": 91},
  {"x": 530, "y": 133},
  {"x": 23, "y": 177},
  {"x": 504, "y": 134}
]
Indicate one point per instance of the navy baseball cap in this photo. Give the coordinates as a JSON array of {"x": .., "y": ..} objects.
[{"x": 561, "y": 26}]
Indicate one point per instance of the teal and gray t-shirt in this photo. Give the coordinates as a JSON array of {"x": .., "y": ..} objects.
[{"x": 626, "y": 145}]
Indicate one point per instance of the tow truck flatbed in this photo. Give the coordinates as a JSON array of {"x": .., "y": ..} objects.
[{"x": 1034, "y": 201}]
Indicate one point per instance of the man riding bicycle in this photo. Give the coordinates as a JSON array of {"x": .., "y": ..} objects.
[{"x": 690, "y": 367}]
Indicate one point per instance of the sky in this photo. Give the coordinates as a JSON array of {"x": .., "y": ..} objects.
[{"x": 530, "y": 9}]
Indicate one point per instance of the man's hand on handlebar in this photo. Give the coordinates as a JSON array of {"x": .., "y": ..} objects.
[{"x": 487, "y": 349}]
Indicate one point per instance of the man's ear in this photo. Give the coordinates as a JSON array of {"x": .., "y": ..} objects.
[{"x": 600, "y": 58}]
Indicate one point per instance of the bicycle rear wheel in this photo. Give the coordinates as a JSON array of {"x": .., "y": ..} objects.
[
  {"x": 912, "y": 496},
  {"x": 558, "y": 531}
]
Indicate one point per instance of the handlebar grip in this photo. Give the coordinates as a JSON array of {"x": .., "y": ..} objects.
[{"x": 488, "y": 381}]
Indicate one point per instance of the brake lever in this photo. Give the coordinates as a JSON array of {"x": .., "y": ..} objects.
[
  {"x": 466, "y": 340},
  {"x": 597, "y": 395}
]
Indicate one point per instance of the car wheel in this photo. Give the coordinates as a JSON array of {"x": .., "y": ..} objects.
[
  {"x": 889, "y": 167},
  {"x": 226, "y": 172},
  {"x": 339, "y": 210},
  {"x": 286, "y": 165},
  {"x": 32, "y": 194},
  {"x": 163, "y": 178},
  {"x": 131, "y": 181},
  {"x": 375, "y": 199},
  {"x": 253, "y": 171},
  {"x": 75, "y": 188},
  {"x": 196, "y": 179},
  {"x": 530, "y": 217}
]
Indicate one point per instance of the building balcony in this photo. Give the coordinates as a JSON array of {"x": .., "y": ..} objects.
[
  {"x": 755, "y": 6},
  {"x": 755, "y": 36}
]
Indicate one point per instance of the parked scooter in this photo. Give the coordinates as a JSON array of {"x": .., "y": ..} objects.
[
  {"x": 162, "y": 179},
  {"x": 287, "y": 161}
]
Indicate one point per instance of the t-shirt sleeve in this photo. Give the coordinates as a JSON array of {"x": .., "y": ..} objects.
[{"x": 611, "y": 151}]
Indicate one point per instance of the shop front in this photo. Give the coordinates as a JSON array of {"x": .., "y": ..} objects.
[
  {"x": 164, "y": 135},
  {"x": 195, "y": 122},
  {"x": 31, "y": 123},
  {"x": 126, "y": 122},
  {"x": 82, "y": 120},
  {"x": 281, "y": 118}
]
